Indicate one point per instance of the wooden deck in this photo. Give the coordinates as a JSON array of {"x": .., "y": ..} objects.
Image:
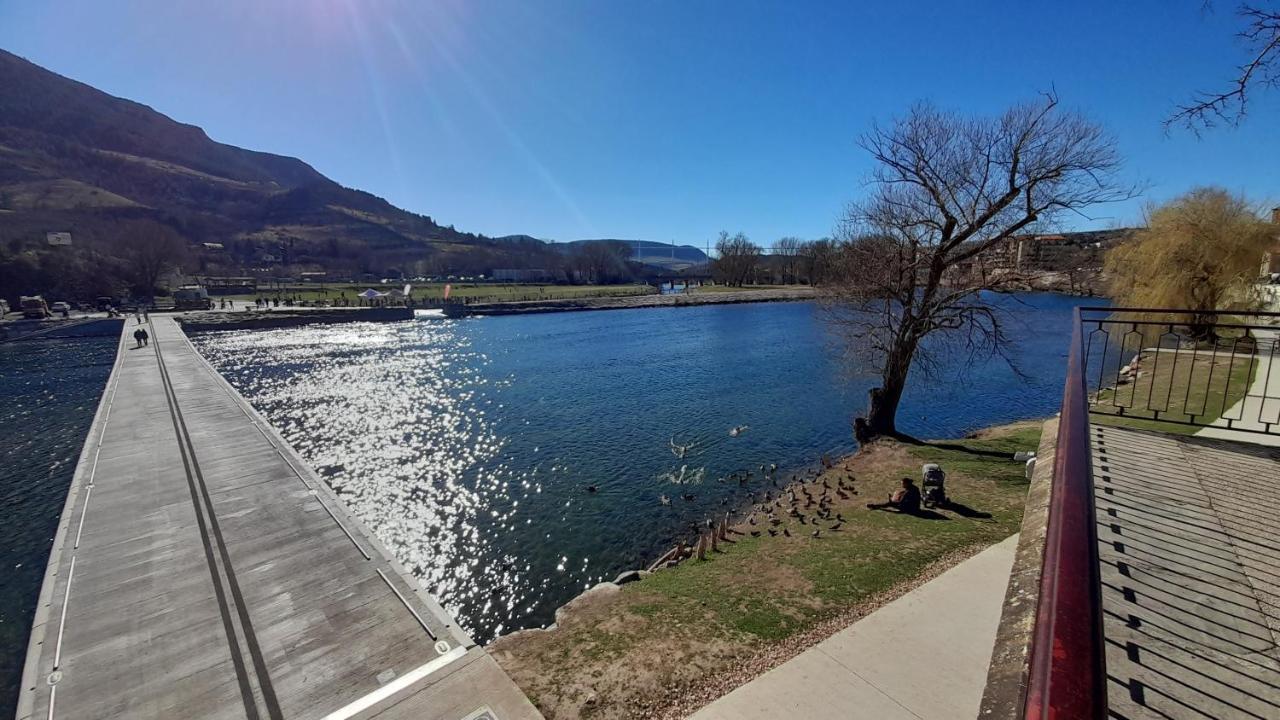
[
  {"x": 202, "y": 570},
  {"x": 1190, "y": 569}
]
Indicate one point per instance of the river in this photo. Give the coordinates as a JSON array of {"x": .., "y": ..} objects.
[
  {"x": 511, "y": 462},
  {"x": 49, "y": 390}
]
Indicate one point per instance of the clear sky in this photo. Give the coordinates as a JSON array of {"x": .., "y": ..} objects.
[{"x": 662, "y": 120}]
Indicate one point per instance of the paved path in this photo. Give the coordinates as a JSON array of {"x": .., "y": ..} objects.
[
  {"x": 922, "y": 656},
  {"x": 1259, "y": 409},
  {"x": 201, "y": 570},
  {"x": 1190, "y": 569}
]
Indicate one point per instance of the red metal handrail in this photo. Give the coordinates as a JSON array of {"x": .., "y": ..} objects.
[{"x": 1067, "y": 679}]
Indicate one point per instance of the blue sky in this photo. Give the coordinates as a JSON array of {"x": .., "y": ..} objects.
[{"x": 656, "y": 120}]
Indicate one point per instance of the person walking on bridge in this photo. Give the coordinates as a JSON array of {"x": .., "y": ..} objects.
[
  {"x": 137, "y": 337},
  {"x": 146, "y": 338}
]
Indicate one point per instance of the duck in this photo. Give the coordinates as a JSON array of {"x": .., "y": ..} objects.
[
  {"x": 592, "y": 488},
  {"x": 664, "y": 499}
]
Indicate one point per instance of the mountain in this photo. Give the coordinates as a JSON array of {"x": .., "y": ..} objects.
[
  {"x": 73, "y": 158},
  {"x": 666, "y": 256}
]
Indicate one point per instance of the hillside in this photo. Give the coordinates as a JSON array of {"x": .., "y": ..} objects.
[
  {"x": 666, "y": 256},
  {"x": 73, "y": 158}
]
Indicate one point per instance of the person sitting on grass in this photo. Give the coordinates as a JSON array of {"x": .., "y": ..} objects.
[{"x": 905, "y": 499}]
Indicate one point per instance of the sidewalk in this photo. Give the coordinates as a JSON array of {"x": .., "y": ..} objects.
[
  {"x": 1261, "y": 403},
  {"x": 922, "y": 656}
]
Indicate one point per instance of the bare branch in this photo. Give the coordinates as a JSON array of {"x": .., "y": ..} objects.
[
  {"x": 1261, "y": 37},
  {"x": 910, "y": 283}
]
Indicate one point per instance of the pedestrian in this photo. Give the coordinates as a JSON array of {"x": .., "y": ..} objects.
[
  {"x": 905, "y": 500},
  {"x": 137, "y": 337},
  {"x": 146, "y": 339}
]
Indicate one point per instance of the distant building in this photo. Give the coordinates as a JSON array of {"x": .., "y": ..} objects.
[
  {"x": 212, "y": 246},
  {"x": 1055, "y": 251},
  {"x": 1271, "y": 258},
  {"x": 313, "y": 276},
  {"x": 58, "y": 238}
]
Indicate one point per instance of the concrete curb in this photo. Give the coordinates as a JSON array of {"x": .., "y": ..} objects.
[{"x": 1005, "y": 693}]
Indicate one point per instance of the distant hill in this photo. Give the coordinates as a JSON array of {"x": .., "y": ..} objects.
[
  {"x": 75, "y": 158},
  {"x": 667, "y": 256}
]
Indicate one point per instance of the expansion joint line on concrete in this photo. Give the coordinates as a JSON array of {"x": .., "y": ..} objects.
[{"x": 220, "y": 568}]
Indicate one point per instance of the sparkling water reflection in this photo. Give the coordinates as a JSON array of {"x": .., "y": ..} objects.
[{"x": 510, "y": 462}]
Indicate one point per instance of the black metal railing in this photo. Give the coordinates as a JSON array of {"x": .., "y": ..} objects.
[
  {"x": 1131, "y": 365},
  {"x": 1198, "y": 368}
]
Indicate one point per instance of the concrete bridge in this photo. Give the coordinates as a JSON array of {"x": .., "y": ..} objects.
[{"x": 201, "y": 569}]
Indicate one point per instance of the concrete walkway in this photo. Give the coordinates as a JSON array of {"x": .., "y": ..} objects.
[
  {"x": 202, "y": 570},
  {"x": 921, "y": 657},
  {"x": 1259, "y": 409}
]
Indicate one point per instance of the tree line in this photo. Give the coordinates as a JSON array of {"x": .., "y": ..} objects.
[{"x": 790, "y": 261}]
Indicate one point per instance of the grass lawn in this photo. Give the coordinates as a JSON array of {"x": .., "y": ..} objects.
[
  {"x": 726, "y": 288},
  {"x": 660, "y": 647},
  {"x": 1182, "y": 391},
  {"x": 476, "y": 291}
]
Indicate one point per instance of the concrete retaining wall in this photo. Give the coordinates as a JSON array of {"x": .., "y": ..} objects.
[{"x": 1006, "y": 689}]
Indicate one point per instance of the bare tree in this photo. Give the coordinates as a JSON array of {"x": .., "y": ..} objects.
[
  {"x": 787, "y": 250},
  {"x": 736, "y": 259},
  {"x": 602, "y": 261},
  {"x": 817, "y": 258},
  {"x": 1261, "y": 69},
  {"x": 152, "y": 249},
  {"x": 947, "y": 190}
]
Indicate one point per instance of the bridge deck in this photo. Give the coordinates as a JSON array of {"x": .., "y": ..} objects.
[
  {"x": 201, "y": 570},
  {"x": 1190, "y": 566}
]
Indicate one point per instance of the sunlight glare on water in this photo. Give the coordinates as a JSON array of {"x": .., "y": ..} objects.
[{"x": 511, "y": 462}]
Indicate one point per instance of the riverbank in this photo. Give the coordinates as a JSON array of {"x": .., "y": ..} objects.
[
  {"x": 641, "y": 301},
  {"x": 286, "y": 317},
  {"x": 666, "y": 645}
]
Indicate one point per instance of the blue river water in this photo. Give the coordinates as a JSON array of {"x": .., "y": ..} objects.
[
  {"x": 471, "y": 446},
  {"x": 49, "y": 390}
]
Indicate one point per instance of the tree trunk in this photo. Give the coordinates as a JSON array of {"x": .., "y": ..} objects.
[{"x": 883, "y": 401}]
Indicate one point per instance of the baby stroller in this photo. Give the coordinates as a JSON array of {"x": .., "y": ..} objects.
[{"x": 934, "y": 486}]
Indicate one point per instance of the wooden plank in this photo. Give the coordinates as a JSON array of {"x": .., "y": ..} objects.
[
  {"x": 216, "y": 576},
  {"x": 1189, "y": 565}
]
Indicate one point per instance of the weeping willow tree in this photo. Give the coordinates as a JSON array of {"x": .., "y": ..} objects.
[{"x": 1200, "y": 252}]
